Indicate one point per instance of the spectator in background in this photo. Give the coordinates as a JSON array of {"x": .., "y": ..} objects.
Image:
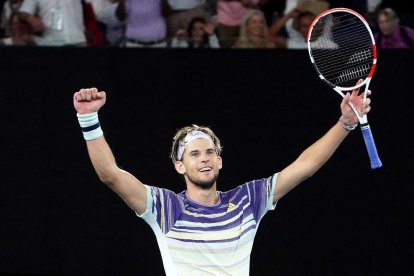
[
  {"x": 372, "y": 9},
  {"x": 7, "y": 8},
  {"x": 199, "y": 34},
  {"x": 93, "y": 31},
  {"x": 55, "y": 23},
  {"x": 211, "y": 10},
  {"x": 295, "y": 24},
  {"x": 16, "y": 32},
  {"x": 229, "y": 18},
  {"x": 145, "y": 23},
  {"x": 404, "y": 9},
  {"x": 272, "y": 10},
  {"x": 181, "y": 12},
  {"x": 112, "y": 28},
  {"x": 253, "y": 31},
  {"x": 392, "y": 35}
]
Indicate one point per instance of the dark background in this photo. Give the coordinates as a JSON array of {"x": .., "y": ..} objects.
[{"x": 265, "y": 105}]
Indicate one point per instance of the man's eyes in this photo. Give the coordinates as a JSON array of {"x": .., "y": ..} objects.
[{"x": 196, "y": 154}]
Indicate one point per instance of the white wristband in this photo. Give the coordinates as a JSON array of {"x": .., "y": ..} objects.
[
  {"x": 90, "y": 126},
  {"x": 346, "y": 125}
]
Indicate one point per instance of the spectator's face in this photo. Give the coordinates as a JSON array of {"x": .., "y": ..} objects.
[
  {"x": 18, "y": 28},
  {"x": 198, "y": 31},
  {"x": 387, "y": 25},
  {"x": 255, "y": 26},
  {"x": 304, "y": 23}
]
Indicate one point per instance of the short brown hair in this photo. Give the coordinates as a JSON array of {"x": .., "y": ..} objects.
[{"x": 182, "y": 132}]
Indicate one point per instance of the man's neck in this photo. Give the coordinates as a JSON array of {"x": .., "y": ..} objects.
[{"x": 202, "y": 196}]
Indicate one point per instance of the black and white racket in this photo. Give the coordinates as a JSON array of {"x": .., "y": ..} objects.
[{"x": 342, "y": 49}]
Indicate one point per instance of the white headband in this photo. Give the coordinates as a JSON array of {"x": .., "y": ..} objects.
[{"x": 191, "y": 136}]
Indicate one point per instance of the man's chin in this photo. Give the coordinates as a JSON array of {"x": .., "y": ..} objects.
[{"x": 204, "y": 184}]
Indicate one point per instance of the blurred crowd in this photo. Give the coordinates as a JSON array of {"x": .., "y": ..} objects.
[{"x": 278, "y": 24}]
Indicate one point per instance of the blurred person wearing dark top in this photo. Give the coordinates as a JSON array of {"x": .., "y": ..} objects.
[
  {"x": 404, "y": 9},
  {"x": 181, "y": 12},
  {"x": 199, "y": 34},
  {"x": 391, "y": 34}
]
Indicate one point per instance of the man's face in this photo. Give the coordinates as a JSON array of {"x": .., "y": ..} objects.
[{"x": 200, "y": 164}]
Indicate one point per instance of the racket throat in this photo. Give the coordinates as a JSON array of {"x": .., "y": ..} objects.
[{"x": 362, "y": 119}]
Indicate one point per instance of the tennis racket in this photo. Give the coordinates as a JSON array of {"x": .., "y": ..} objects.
[{"x": 342, "y": 50}]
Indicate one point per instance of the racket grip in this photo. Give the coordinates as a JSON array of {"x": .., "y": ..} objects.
[{"x": 370, "y": 144}]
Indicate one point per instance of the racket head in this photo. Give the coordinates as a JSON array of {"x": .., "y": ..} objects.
[{"x": 342, "y": 49}]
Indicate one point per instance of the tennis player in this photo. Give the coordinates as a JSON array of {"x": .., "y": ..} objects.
[{"x": 204, "y": 231}]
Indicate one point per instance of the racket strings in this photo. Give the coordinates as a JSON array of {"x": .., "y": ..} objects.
[
  {"x": 343, "y": 57},
  {"x": 335, "y": 21},
  {"x": 359, "y": 59},
  {"x": 348, "y": 55},
  {"x": 342, "y": 48},
  {"x": 343, "y": 36}
]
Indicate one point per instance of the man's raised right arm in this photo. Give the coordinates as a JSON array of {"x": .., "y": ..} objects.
[{"x": 87, "y": 102}]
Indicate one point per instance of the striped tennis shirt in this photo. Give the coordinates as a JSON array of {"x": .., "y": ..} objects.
[{"x": 196, "y": 239}]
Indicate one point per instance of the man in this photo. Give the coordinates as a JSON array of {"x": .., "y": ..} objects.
[
  {"x": 202, "y": 230},
  {"x": 296, "y": 24}
]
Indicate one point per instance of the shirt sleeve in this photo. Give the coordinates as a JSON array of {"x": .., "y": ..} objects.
[
  {"x": 214, "y": 42},
  {"x": 261, "y": 195},
  {"x": 163, "y": 208}
]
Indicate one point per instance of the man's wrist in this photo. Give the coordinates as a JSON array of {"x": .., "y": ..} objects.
[
  {"x": 347, "y": 125},
  {"x": 89, "y": 123}
]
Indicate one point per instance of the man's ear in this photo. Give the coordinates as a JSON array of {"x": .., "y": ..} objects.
[
  {"x": 220, "y": 162},
  {"x": 179, "y": 167}
]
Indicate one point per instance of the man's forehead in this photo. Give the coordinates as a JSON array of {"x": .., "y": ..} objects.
[{"x": 200, "y": 144}]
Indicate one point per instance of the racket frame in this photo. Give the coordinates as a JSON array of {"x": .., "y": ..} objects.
[{"x": 363, "y": 120}]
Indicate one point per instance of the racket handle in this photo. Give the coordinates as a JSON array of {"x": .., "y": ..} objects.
[{"x": 370, "y": 144}]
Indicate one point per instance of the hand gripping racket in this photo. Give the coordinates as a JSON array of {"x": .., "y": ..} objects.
[{"x": 342, "y": 50}]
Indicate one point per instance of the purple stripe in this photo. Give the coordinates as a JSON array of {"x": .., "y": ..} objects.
[{"x": 250, "y": 228}]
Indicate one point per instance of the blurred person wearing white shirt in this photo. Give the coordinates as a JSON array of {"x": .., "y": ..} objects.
[{"x": 57, "y": 23}]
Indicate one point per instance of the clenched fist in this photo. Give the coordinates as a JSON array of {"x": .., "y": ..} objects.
[{"x": 88, "y": 100}]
